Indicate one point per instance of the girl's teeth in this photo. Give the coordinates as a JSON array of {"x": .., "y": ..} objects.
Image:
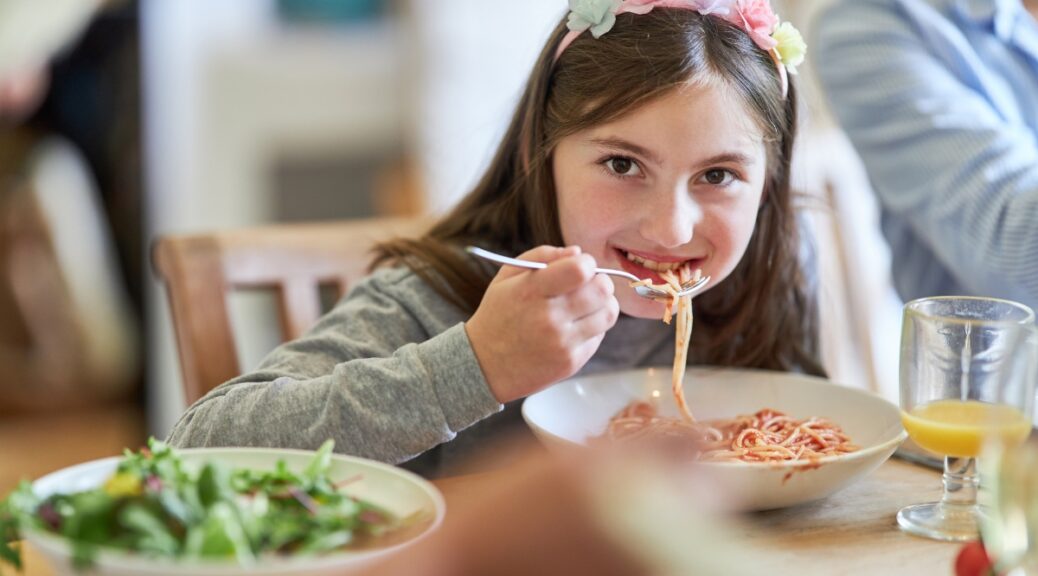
[{"x": 652, "y": 264}]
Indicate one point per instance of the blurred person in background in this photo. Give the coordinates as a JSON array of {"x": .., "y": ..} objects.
[
  {"x": 940, "y": 99},
  {"x": 66, "y": 322}
]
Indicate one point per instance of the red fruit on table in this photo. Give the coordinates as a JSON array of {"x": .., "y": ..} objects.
[{"x": 973, "y": 560}]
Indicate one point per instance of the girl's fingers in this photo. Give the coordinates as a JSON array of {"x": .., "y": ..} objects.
[
  {"x": 596, "y": 324},
  {"x": 546, "y": 254},
  {"x": 565, "y": 275},
  {"x": 567, "y": 270},
  {"x": 587, "y": 349},
  {"x": 590, "y": 297}
]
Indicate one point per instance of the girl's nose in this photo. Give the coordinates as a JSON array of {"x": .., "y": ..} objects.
[{"x": 671, "y": 219}]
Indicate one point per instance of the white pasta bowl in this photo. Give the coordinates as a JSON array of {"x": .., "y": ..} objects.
[
  {"x": 398, "y": 491},
  {"x": 571, "y": 412}
]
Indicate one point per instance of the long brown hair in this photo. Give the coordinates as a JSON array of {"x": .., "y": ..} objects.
[{"x": 762, "y": 315}]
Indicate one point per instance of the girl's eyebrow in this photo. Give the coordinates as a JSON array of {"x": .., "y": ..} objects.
[
  {"x": 731, "y": 157},
  {"x": 722, "y": 158},
  {"x": 628, "y": 146}
]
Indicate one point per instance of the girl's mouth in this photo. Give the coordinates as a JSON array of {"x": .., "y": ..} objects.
[{"x": 645, "y": 267}]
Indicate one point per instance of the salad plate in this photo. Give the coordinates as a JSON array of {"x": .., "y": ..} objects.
[{"x": 416, "y": 506}]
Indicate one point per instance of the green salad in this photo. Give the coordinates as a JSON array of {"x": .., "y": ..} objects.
[{"x": 155, "y": 505}]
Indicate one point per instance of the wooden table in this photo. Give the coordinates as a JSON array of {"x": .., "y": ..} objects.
[
  {"x": 852, "y": 532},
  {"x": 32, "y": 445},
  {"x": 855, "y": 530}
]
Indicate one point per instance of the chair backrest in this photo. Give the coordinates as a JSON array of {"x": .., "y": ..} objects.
[
  {"x": 860, "y": 310},
  {"x": 295, "y": 260}
]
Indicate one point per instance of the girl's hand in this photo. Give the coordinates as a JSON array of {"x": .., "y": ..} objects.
[{"x": 536, "y": 327}]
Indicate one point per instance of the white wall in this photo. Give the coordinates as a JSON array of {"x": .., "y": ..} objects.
[
  {"x": 227, "y": 92},
  {"x": 473, "y": 59}
]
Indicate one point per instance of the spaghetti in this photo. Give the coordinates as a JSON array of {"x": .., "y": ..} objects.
[
  {"x": 682, "y": 309},
  {"x": 767, "y": 436}
]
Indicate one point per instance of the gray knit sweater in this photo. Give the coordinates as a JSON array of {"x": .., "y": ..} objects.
[{"x": 389, "y": 374}]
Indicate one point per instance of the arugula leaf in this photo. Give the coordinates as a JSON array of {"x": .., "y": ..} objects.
[
  {"x": 151, "y": 534},
  {"x": 220, "y": 535},
  {"x": 321, "y": 463},
  {"x": 10, "y": 554},
  {"x": 326, "y": 542},
  {"x": 15, "y": 512},
  {"x": 214, "y": 484}
]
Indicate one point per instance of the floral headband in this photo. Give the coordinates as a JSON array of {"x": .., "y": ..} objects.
[{"x": 780, "y": 40}]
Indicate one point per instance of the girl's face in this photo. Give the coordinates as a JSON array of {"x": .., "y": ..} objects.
[{"x": 678, "y": 180}]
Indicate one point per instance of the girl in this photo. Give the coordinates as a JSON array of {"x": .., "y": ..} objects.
[{"x": 662, "y": 136}]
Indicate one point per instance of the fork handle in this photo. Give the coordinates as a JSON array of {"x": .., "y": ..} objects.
[{"x": 495, "y": 257}]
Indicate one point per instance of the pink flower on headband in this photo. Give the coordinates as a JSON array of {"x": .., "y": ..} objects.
[
  {"x": 754, "y": 16},
  {"x": 758, "y": 20},
  {"x": 704, "y": 7}
]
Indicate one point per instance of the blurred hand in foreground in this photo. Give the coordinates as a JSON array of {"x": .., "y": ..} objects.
[{"x": 606, "y": 513}]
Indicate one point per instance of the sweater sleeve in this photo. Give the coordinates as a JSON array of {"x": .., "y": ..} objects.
[{"x": 388, "y": 374}]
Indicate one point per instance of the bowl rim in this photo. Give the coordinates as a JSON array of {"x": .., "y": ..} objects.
[
  {"x": 861, "y": 454},
  {"x": 127, "y": 560}
]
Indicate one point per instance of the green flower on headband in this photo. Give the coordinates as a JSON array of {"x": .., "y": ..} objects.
[
  {"x": 598, "y": 15},
  {"x": 791, "y": 47}
]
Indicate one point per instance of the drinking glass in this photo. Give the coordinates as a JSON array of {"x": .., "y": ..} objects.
[
  {"x": 967, "y": 377},
  {"x": 1010, "y": 523}
]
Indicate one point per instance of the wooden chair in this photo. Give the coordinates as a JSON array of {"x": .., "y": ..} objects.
[
  {"x": 295, "y": 260},
  {"x": 860, "y": 310}
]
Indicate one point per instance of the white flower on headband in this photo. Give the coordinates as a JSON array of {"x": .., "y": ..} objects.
[{"x": 598, "y": 15}]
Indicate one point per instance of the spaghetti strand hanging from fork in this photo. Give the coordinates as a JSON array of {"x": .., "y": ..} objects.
[{"x": 680, "y": 307}]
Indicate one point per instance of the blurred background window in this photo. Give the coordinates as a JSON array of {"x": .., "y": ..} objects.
[{"x": 329, "y": 11}]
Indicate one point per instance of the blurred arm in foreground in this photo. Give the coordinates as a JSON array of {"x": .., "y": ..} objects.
[{"x": 606, "y": 513}]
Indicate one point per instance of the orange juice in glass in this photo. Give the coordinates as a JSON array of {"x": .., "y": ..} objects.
[
  {"x": 968, "y": 371},
  {"x": 960, "y": 427}
]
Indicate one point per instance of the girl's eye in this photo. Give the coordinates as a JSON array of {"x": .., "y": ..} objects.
[
  {"x": 622, "y": 166},
  {"x": 718, "y": 177}
]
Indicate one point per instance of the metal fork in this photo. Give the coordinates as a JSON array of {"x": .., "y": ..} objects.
[{"x": 690, "y": 288}]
